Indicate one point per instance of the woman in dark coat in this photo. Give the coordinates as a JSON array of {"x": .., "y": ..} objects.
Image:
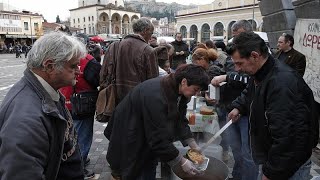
[{"x": 148, "y": 120}]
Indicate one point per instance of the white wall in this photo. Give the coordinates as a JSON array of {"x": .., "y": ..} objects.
[{"x": 84, "y": 13}]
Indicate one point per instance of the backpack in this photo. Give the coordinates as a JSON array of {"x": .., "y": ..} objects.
[{"x": 91, "y": 73}]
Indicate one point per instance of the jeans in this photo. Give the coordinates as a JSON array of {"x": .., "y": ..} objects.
[
  {"x": 149, "y": 170},
  {"x": 303, "y": 172},
  {"x": 222, "y": 116},
  {"x": 244, "y": 167},
  {"x": 84, "y": 128}
]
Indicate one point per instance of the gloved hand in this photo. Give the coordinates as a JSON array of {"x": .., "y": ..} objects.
[
  {"x": 188, "y": 167},
  {"x": 193, "y": 145}
]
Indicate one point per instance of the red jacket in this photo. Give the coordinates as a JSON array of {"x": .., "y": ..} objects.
[{"x": 81, "y": 86}]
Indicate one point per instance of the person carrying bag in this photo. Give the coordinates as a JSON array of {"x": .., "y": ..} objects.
[{"x": 106, "y": 101}]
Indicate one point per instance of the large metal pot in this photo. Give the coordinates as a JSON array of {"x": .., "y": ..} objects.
[{"x": 216, "y": 170}]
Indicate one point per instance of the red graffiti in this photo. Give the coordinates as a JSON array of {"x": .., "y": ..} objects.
[{"x": 310, "y": 40}]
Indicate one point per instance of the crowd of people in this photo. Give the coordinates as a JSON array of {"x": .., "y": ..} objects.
[
  {"x": 17, "y": 48},
  {"x": 46, "y": 119}
]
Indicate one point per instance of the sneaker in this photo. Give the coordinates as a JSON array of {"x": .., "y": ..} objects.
[
  {"x": 87, "y": 162},
  {"x": 225, "y": 156},
  {"x": 88, "y": 174}
]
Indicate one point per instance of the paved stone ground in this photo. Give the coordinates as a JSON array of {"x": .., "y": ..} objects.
[{"x": 99, "y": 165}]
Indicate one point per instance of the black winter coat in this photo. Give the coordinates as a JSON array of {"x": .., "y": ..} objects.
[
  {"x": 145, "y": 124},
  {"x": 179, "y": 59},
  {"x": 282, "y": 129}
]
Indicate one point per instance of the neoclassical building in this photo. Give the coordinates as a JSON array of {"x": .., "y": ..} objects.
[
  {"x": 102, "y": 16},
  {"x": 213, "y": 21}
]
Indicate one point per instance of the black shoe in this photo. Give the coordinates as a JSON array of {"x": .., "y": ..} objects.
[
  {"x": 87, "y": 162},
  {"x": 88, "y": 174}
]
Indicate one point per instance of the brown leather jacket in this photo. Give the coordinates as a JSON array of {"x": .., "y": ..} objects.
[
  {"x": 295, "y": 60},
  {"x": 135, "y": 62}
]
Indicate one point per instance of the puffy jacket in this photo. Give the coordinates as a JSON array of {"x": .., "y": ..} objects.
[{"x": 282, "y": 128}]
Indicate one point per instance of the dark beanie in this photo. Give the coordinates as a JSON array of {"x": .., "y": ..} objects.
[
  {"x": 162, "y": 53},
  {"x": 220, "y": 44}
]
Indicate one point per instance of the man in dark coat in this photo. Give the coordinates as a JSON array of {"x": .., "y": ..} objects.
[
  {"x": 290, "y": 56},
  {"x": 37, "y": 137},
  {"x": 150, "y": 118},
  {"x": 181, "y": 52},
  {"x": 283, "y": 130}
]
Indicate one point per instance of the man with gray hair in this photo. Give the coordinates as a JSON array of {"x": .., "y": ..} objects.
[
  {"x": 37, "y": 137},
  {"x": 135, "y": 60},
  {"x": 241, "y": 26}
]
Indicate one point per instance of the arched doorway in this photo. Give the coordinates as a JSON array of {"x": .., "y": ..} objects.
[
  {"x": 183, "y": 31},
  {"x": 254, "y": 24},
  {"x": 134, "y": 17},
  {"x": 229, "y": 29},
  {"x": 115, "y": 23},
  {"x": 218, "y": 29},
  {"x": 103, "y": 24},
  {"x": 125, "y": 24},
  {"x": 205, "y": 32},
  {"x": 194, "y": 32}
]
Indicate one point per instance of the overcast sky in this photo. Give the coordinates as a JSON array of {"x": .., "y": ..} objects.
[{"x": 51, "y": 8}]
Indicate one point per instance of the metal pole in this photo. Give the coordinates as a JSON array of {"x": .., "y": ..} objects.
[
  {"x": 254, "y": 3},
  {"x": 31, "y": 31}
]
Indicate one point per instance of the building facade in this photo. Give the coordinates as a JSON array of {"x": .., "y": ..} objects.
[
  {"x": 102, "y": 17},
  {"x": 22, "y": 27},
  {"x": 213, "y": 21}
]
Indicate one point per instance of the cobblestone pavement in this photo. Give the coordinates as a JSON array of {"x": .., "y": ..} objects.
[{"x": 11, "y": 70}]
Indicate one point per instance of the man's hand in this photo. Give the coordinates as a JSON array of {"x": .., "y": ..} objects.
[
  {"x": 264, "y": 178},
  {"x": 234, "y": 115},
  {"x": 181, "y": 53},
  {"x": 218, "y": 79},
  {"x": 177, "y": 53},
  {"x": 210, "y": 101}
]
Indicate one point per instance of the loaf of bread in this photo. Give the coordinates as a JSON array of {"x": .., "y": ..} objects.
[{"x": 204, "y": 110}]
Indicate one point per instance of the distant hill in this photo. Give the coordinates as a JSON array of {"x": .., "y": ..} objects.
[{"x": 157, "y": 9}]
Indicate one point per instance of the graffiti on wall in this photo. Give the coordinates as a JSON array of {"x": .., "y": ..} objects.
[{"x": 307, "y": 38}]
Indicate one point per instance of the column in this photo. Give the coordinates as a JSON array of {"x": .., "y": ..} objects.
[
  {"x": 110, "y": 27},
  {"x": 121, "y": 32}
]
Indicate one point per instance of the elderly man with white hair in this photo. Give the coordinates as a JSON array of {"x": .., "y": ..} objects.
[{"x": 37, "y": 138}]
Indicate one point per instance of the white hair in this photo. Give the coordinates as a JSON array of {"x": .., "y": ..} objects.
[
  {"x": 56, "y": 46},
  {"x": 162, "y": 42}
]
